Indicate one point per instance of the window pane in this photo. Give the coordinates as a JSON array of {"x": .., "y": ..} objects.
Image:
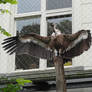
[
  {"x": 57, "y": 4},
  {"x": 24, "y": 27},
  {"x": 65, "y": 25},
  {"x": 28, "y": 6}
]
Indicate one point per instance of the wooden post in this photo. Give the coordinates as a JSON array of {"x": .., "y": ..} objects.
[{"x": 60, "y": 79}]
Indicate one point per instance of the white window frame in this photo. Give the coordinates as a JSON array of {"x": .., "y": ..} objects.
[{"x": 44, "y": 14}]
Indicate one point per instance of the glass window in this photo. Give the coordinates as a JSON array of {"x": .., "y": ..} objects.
[
  {"x": 26, "y": 62},
  {"x": 28, "y": 25},
  {"x": 24, "y": 27},
  {"x": 57, "y": 4},
  {"x": 65, "y": 25},
  {"x": 25, "y": 6}
]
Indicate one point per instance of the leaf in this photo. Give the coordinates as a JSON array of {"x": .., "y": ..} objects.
[
  {"x": 5, "y": 11},
  {"x": 8, "y": 1},
  {"x": 1, "y": 90},
  {"x": 11, "y": 1},
  {"x": 10, "y": 87},
  {"x": 3, "y": 31},
  {"x": 13, "y": 87},
  {"x": 22, "y": 81},
  {"x": 17, "y": 87}
]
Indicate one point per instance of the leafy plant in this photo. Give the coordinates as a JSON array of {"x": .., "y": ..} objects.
[
  {"x": 68, "y": 63},
  {"x": 13, "y": 87},
  {"x": 21, "y": 81},
  {"x": 5, "y": 11},
  {"x": 2, "y": 30},
  {"x": 8, "y": 1}
]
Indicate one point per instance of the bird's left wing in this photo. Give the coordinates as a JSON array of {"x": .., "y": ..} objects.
[
  {"x": 79, "y": 44},
  {"x": 31, "y": 44}
]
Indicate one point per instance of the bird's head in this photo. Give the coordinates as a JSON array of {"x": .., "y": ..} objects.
[{"x": 52, "y": 25}]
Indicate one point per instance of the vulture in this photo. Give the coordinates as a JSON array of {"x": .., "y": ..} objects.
[
  {"x": 66, "y": 45},
  {"x": 56, "y": 31}
]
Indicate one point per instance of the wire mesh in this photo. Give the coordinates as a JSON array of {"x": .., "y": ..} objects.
[
  {"x": 25, "y": 6},
  {"x": 57, "y": 4},
  {"x": 27, "y": 26}
]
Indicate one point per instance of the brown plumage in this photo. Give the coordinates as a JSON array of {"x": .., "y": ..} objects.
[{"x": 68, "y": 46}]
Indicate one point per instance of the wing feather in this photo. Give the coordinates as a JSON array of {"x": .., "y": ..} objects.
[
  {"x": 12, "y": 50},
  {"x": 31, "y": 44},
  {"x": 7, "y": 46},
  {"x": 81, "y": 46},
  {"x": 36, "y": 45}
]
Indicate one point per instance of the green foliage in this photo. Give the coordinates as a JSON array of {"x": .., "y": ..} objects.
[
  {"x": 5, "y": 11},
  {"x": 21, "y": 81},
  {"x": 68, "y": 63},
  {"x": 5, "y": 2},
  {"x": 8, "y": 1},
  {"x": 13, "y": 87},
  {"x": 4, "y": 32}
]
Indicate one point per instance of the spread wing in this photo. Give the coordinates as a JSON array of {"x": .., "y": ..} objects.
[
  {"x": 79, "y": 43},
  {"x": 31, "y": 44},
  {"x": 36, "y": 45}
]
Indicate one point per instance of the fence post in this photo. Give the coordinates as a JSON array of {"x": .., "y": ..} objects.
[{"x": 60, "y": 79}]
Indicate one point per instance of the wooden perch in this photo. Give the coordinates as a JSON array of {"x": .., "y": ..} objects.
[{"x": 60, "y": 79}]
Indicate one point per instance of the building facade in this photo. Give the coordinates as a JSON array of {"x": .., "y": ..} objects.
[
  {"x": 82, "y": 20},
  {"x": 29, "y": 14}
]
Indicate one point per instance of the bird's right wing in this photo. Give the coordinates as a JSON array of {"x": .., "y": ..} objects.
[{"x": 31, "y": 44}]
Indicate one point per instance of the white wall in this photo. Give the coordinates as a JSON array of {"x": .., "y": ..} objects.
[
  {"x": 82, "y": 19},
  {"x": 7, "y": 62}
]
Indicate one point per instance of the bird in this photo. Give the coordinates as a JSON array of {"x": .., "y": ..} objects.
[
  {"x": 66, "y": 45},
  {"x": 56, "y": 31}
]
